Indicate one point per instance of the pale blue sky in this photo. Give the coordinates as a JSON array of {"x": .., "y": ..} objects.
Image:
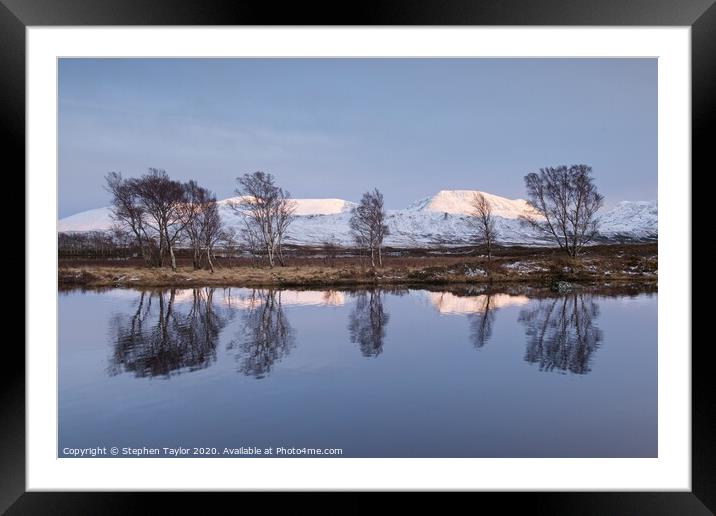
[{"x": 338, "y": 127}]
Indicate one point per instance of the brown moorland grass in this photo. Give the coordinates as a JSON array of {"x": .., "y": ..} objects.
[{"x": 615, "y": 263}]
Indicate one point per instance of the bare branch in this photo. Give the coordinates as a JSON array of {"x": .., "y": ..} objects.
[
  {"x": 267, "y": 210},
  {"x": 484, "y": 222},
  {"x": 565, "y": 202}
]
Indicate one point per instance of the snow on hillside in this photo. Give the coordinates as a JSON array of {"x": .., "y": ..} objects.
[
  {"x": 442, "y": 219},
  {"x": 308, "y": 206},
  {"x": 99, "y": 219},
  {"x": 246, "y": 298},
  {"x": 459, "y": 202},
  {"x": 450, "y": 304},
  {"x": 636, "y": 219}
]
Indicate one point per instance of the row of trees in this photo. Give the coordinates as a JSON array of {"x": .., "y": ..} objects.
[{"x": 157, "y": 213}]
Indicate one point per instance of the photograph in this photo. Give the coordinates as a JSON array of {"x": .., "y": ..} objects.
[{"x": 357, "y": 257}]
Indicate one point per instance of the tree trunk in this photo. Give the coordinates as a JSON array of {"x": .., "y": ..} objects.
[
  {"x": 380, "y": 257},
  {"x": 208, "y": 259},
  {"x": 171, "y": 255},
  {"x": 269, "y": 252},
  {"x": 160, "y": 257},
  {"x": 372, "y": 257}
]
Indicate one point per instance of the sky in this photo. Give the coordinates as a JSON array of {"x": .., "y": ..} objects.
[{"x": 335, "y": 128}]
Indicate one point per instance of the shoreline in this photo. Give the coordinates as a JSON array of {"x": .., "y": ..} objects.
[{"x": 505, "y": 272}]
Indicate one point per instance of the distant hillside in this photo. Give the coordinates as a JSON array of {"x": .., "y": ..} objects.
[{"x": 438, "y": 220}]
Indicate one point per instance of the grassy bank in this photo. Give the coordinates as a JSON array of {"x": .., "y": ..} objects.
[{"x": 632, "y": 264}]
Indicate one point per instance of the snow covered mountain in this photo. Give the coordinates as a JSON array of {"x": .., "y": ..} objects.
[
  {"x": 98, "y": 219},
  {"x": 442, "y": 219},
  {"x": 636, "y": 219},
  {"x": 459, "y": 202},
  {"x": 305, "y": 207}
]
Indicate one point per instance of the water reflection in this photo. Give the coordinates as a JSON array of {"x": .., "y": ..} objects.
[
  {"x": 480, "y": 309},
  {"x": 467, "y": 302},
  {"x": 427, "y": 391},
  {"x": 162, "y": 337},
  {"x": 241, "y": 298},
  {"x": 367, "y": 321},
  {"x": 561, "y": 335},
  {"x": 178, "y": 330},
  {"x": 266, "y": 336},
  {"x": 482, "y": 320}
]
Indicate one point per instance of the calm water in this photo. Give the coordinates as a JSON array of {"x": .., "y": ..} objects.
[{"x": 406, "y": 373}]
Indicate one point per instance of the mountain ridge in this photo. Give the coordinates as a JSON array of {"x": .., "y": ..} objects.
[{"x": 441, "y": 219}]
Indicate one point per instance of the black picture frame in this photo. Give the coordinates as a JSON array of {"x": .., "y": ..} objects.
[{"x": 700, "y": 15}]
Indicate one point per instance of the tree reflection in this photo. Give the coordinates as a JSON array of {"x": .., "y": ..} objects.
[
  {"x": 560, "y": 333},
  {"x": 161, "y": 337},
  {"x": 481, "y": 321},
  {"x": 267, "y": 336},
  {"x": 367, "y": 322}
]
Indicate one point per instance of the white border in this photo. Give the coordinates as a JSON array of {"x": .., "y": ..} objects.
[{"x": 670, "y": 471}]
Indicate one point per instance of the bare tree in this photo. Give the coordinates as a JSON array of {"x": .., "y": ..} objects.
[
  {"x": 368, "y": 225},
  {"x": 128, "y": 211},
  {"x": 212, "y": 233},
  {"x": 159, "y": 211},
  {"x": 565, "y": 202},
  {"x": 191, "y": 212},
  {"x": 203, "y": 223},
  {"x": 381, "y": 228},
  {"x": 251, "y": 241},
  {"x": 284, "y": 213},
  {"x": 267, "y": 210},
  {"x": 164, "y": 202},
  {"x": 484, "y": 222}
]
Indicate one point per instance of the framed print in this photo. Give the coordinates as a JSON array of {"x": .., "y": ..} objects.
[{"x": 417, "y": 250}]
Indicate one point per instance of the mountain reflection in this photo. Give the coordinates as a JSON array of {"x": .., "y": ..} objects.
[
  {"x": 366, "y": 322},
  {"x": 480, "y": 308},
  {"x": 163, "y": 337},
  {"x": 266, "y": 336},
  {"x": 561, "y": 335}
]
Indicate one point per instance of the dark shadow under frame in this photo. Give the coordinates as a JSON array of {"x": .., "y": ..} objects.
[{"x": 16, "y": 15}]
